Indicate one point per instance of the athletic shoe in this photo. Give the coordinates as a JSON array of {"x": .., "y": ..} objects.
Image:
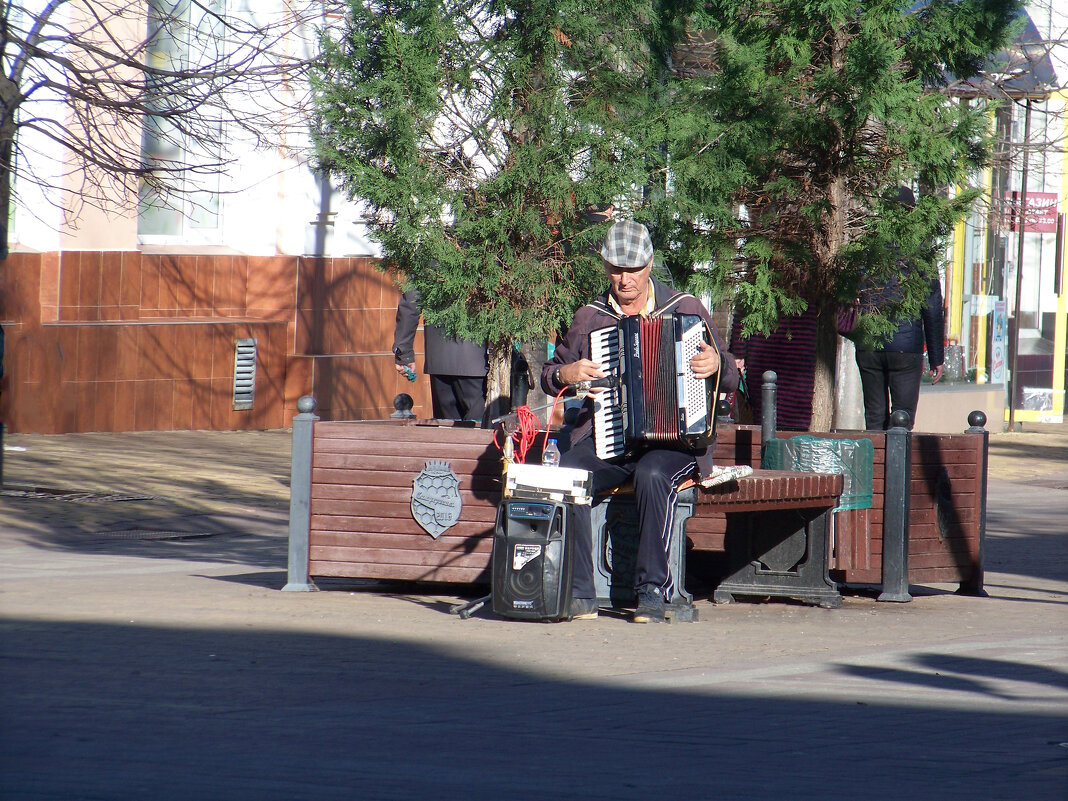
[
  {"x": 583, "y": 609},
  {"x": 650, "y": 606}
]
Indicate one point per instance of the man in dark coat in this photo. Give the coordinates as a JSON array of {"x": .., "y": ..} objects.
[
  {"x": 627, "y": 254},
  {"x": 890, "y": 373},
  {"x": 457, "y": 367}
]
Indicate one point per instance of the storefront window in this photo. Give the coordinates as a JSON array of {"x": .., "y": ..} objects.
[{"x": 1002, "y": 236}]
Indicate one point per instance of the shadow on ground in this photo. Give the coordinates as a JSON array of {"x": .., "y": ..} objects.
[
  {"x": 1028, "y": 450},
  {"x": 128, "y": 712}
]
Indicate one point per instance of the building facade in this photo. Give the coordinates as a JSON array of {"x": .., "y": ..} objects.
[
  {"x": 1005, "y": 289},
  {"x": 153, "y": 313}
]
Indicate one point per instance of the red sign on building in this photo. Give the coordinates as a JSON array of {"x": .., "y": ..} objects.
[{"x": 1040, "y": 216}]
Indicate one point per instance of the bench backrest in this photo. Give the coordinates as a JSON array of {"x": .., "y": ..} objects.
[
  {"x": 361, "y": 502},
  {"x": 361, "y": 521}
]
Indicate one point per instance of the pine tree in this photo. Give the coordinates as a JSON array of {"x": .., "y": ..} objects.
[
  {"x": 480, "y": 133},
  {"x": 796, "y": 121},
  {"x": 762, "y": 142}
]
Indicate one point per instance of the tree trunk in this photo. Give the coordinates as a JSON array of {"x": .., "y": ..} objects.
[
  {"x": 534, "y": 355},
  {"x": 833, "y": 226},
  {"x": 826, "y": 359},
  {"x": 5, "y": 194},
  {"x": 498, "y": 381},
  {"x": 8, "y": 91}
]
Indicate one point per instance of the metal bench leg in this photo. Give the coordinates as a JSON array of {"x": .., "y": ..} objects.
[{"x": 764, "y": 563}]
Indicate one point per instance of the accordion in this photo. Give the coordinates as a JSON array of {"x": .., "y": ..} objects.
[{"x": 656, "y": 399}]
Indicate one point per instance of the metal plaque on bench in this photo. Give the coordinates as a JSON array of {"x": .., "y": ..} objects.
[{"x": 436, "y": 503}]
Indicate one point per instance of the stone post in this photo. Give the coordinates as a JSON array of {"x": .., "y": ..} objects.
[
  {"x": 300, "y": 497},
  {"x": 976, "y": 425}
]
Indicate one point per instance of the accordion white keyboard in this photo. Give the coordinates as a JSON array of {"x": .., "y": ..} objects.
[{"x": 608, "y": 411}]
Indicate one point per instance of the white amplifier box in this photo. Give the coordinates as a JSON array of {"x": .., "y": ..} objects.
[{"x": 538, "y": 482}]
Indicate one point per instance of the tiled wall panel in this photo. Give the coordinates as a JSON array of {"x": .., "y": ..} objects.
[{"x": 116, "y": 341}]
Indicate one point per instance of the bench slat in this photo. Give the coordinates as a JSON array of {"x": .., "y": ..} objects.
[
  {"x": 371, "y": 570},
  {"x": 405, "y": 458},
  {"x": 474, "y": 509},
  {"x": 772, "y": 489},
  {"x": 402, "y": 541},
  {"x": 377, "y": 430},
  {"x": 393, "y": 556},
  {"x": 480, "y": 484},
  {"x": 707, "y": 541},
  {"x": 358, "y": 525}
]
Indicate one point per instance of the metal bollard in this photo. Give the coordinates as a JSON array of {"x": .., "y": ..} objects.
[
  {"x": 402, "y": 405},
  {"x": 768, "y": 417},
  {"x": 896, "y": 509},
  {"x": 300, "y": 497},
  {"x": 724, "y": 412}
]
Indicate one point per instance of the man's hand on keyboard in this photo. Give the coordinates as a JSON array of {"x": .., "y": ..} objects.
[
  {"x": 582, "y": 370},
  {"x": 706, "y": 362}
]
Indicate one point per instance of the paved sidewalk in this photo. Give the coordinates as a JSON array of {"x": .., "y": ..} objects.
[{"x": 146, "y": 652}]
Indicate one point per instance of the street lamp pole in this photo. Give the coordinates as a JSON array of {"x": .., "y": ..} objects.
[{"x": 1021, "y": 228}]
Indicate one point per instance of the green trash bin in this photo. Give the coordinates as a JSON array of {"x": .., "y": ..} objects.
[{"x": 853, "y": 458}]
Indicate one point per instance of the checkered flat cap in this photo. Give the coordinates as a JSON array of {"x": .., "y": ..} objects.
[{"x": 627, "y": 245}]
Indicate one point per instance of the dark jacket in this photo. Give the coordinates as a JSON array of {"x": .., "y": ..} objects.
[
  {"x": 574, "y": 344},
  {"x": 929, "y": 328},
  {"x": 445, "y": 355}
]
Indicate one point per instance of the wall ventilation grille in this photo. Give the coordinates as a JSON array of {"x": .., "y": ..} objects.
[{"x": 244, "y": 373}]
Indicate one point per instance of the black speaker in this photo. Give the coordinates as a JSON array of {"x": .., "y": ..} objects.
[{"x": 532, "y": 560}]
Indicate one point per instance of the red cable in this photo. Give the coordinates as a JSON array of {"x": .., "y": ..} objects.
[
  {"x": 528, "y": 429},
  {"x": 552, "y": 412}
]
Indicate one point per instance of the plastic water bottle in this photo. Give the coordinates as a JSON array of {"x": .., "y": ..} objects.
[
  {"x": 409, "y": 373},
  {"x": 550, "y": 457}
]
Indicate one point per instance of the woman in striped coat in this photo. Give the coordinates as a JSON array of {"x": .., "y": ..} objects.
[{"x": 790, "y": 350}]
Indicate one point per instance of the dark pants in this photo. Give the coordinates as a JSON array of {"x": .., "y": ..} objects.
[
  {"x": 657, "y": 475},
  {"x": 890, "y": 381},
  {"x": 458, "y": 397}
]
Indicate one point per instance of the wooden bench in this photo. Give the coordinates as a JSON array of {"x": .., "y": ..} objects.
[
  {"x": 360, "y": 521},
  {"x": 772, "y": 526},
  {"x": 776, "y": 538},
  {"x": 352, "y": 486},
  {"x": 351, "y": 514}
]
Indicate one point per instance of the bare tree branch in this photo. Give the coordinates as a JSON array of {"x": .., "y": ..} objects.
[{"x": 103, "y": 81}]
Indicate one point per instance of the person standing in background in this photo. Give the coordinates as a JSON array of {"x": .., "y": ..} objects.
[
  {"x": 457, "y": 367},
  {"x": 890, "y": 376},
  {"x": 890, "y": 373},
  {"x": 790, "y": 350}
]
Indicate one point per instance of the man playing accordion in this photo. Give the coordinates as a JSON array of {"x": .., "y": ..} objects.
[{"x": 656, "y": 469}]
